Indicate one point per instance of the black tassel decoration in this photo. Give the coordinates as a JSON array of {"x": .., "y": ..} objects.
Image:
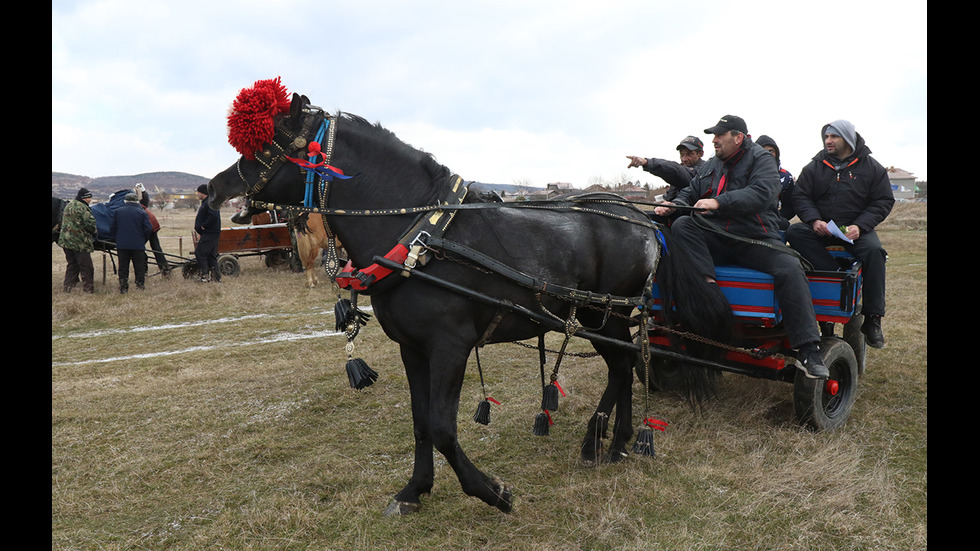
[
  {"x": 549, "y": 398},
  {"x": 482, "y": 415},
  {"x": 348, "y": 318},
  {"x": 341, "y": 311},
  {"x": 542, "y": 422},
  {"x": 359, "y": 374},
  {"x": 644, "y": 440},
  {"x": 644, "y": 443}
]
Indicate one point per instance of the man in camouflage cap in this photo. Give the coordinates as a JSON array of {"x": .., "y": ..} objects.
[{"x": 77, "y": 239}]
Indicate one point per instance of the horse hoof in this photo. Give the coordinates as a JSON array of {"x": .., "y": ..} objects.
[
  {"x": 505, "y": 499},
  {"x": 617, "y": 456},
  {"x": 401, "y": 508}
]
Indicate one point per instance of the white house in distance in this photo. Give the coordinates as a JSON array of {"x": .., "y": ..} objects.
[{"x": 903, "y": 183}]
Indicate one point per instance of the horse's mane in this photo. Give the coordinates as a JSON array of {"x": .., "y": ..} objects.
[{"x": 388, "y": 138}]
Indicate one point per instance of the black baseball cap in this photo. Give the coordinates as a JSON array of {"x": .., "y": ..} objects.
[
  {"x": 691, "y": 142},
  {"x": 726, "y": 123}
]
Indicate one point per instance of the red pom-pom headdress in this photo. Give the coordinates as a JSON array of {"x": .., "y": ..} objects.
[{"x": 250, "y": 119}]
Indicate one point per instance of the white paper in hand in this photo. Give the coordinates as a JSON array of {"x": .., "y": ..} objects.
[{"x": 835, "y": 231}]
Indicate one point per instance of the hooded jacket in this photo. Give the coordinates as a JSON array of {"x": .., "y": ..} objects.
[
  {"x": 786, "y": 184},
  {"x": 854, "y": 190},
  {"x": 747, "y": 201}
]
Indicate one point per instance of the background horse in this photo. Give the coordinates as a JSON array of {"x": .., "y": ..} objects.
[
  {"x": 57, "y": 209},
  {"x": 311, "y": 239},
  {"x": 611, "y": 249}
]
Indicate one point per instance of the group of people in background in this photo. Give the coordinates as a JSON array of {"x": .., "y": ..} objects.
[
  {"x": 132, "y": 226},
  {"x": 742, "y": 197}
]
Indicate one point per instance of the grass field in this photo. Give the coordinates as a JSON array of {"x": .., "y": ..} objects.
[{"x": 218, "y": 416}]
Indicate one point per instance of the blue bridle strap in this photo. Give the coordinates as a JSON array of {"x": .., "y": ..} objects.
[{"x": 310, "y": 174}]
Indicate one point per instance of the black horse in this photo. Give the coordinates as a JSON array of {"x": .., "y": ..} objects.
[
  {"x": 603, "y": 245},
  {"x": 57, "y": 209}
]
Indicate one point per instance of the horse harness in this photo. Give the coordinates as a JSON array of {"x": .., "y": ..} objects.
[{"x": 423, "y": 238}]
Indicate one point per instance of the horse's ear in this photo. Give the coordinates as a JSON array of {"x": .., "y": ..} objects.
[{"x": 296, "y": 105}]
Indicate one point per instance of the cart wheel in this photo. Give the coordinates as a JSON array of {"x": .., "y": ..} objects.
[
  {"x": 189, "y": 270},
  {"x": 854, "y": 337},
  {"x": 825, "y": 405},
  {"x": 228, "y": 265}
]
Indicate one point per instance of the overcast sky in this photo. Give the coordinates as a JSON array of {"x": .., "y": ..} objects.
[{"x": 500, "y": 90}]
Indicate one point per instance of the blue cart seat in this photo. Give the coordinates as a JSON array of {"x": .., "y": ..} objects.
[{"x": 835, "y": 294}]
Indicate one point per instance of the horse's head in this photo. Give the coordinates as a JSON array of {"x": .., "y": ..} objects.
[{"x": 267, "y": 130}]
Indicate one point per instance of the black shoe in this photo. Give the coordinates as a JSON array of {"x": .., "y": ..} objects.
[
  {"x": 872, "y": 331},
  {"x": 810, "y": 361}
]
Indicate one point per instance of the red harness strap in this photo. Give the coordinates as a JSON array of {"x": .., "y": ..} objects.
[{"x": 359, "y": 280}]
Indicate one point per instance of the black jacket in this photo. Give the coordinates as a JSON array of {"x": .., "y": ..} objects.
[
  {"x": 675, "y": 174},
  {"x": 855, "y": 190},
  {"x": 747, "y": 203},
  {"x": 130, "y": 226},
  {"x": 208, "y": 220}
]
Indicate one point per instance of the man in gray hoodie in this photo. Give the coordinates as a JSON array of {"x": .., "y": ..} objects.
[{"x": 844, "y": 184}]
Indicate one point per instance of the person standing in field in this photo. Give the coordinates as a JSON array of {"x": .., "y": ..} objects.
[
  {"x": 131, "y": 228},
  {"x": 207, "y": 224},
  {"x": 77, "y": 239}
]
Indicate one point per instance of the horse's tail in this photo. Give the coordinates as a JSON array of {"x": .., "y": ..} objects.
[{"x": 699, "y": 308}]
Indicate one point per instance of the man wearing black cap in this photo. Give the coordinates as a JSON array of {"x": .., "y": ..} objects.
[
  {"x": 736, "y": 192},
  {"x": 843, "y": 184},
  {"x": 677, "y": 175},
  {"x": 207, "y": 224},
  {"x": 77, "y": 239}
]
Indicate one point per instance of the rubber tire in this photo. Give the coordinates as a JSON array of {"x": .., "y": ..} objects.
[
  {"x": 228, "y": 265},
  {"x": 817, "y": 409}
]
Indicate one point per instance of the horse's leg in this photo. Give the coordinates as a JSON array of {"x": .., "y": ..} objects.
[
  {"x": 621, "y": 377},
  {"x": 307, "y": 255},
  {"x": 446, "y": 380},
  {"x": 417, "y": 370},
  {"x": 618, "y": 394}
]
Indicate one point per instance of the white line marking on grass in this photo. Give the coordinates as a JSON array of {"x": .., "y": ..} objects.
[{"x": 282, "y": 337}]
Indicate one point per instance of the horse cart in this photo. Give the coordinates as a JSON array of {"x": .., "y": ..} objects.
[
  {"x": 762, "y": 350},
  {"x": 265, "y": 236},
  {"x": 448, "y": 272}
]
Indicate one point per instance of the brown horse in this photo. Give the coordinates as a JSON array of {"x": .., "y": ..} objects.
[{"x": 311, "y": 238}]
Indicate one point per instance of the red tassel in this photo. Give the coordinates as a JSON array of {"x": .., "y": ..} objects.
[
  {"x": 250, "y": 120},
  {"x": 655, "y": 424}
]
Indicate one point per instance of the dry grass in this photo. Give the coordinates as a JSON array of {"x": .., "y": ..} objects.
[{"x": 195, "y": 416}]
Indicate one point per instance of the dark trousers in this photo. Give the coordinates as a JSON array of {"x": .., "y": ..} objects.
[
  {"x": 706, "y": 248},
  {"x": 138, "y": 258},
  {"x": 206, "y": 253},
  {"x": 867, "y": 249},
  {"x": 79, "y": 265}
]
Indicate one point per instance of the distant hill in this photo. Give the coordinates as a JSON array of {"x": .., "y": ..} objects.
[{"x": 66, "y": 185}]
